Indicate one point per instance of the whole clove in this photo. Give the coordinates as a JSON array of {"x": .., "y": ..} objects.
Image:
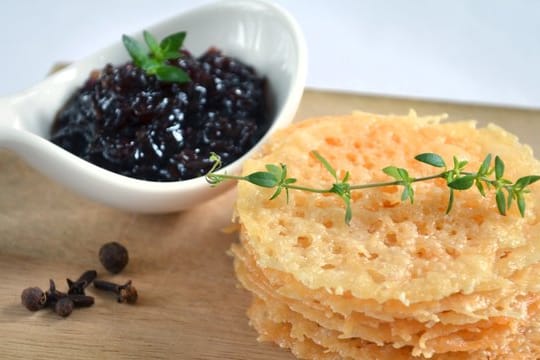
[
  {"x": 81, "y": 300},
  {"x": 78, "y": 286},
  {"x": 53, "y": 295},
  {"x": 124, "y": 293}
]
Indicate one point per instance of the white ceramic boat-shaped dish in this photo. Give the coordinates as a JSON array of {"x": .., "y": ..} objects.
[{"x": 257, "y": 32}]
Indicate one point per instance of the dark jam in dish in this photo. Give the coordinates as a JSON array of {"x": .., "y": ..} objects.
[{"x": 133, "y": 124}]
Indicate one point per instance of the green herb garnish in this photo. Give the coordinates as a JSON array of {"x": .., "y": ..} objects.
[
  {"x": 155, "y": 62},
  {"x": 487, "y": 177}
]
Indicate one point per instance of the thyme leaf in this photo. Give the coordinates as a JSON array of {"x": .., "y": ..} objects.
[{"x": 457, "y": 179}]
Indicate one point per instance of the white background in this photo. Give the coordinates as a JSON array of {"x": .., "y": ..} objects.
[{"x": 474, "y": 51}]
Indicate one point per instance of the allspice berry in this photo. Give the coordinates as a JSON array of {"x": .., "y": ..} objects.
[
  {"x": 33, "y": 298},
  {"x": 64, "y": 306},
  {"x": 113, "y": 256}
]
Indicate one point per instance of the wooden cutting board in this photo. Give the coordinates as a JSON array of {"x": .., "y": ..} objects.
[{"x": 190, "y": 306}]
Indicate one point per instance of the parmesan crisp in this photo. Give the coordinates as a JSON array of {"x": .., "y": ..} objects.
[{"x": 402, "y": 280}]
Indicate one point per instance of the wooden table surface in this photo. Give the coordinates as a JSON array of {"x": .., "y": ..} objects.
[{"x": 190, "y": 306}]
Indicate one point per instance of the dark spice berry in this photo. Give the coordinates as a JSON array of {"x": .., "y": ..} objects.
[
  {"x": 113, "y": 256},
  {"x": 129, "y": 122},
  {"x": 124, "y": 293},
  {"x": 78, "y": 286},
  {"x": 64, "y": 306},
  {"x": 33, "y": 298}
]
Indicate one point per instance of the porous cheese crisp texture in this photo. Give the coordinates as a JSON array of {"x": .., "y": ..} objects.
[{"x": 392, "y": 250}]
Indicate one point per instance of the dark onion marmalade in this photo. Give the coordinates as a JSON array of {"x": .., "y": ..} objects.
[{"x": 133, "y": 124}]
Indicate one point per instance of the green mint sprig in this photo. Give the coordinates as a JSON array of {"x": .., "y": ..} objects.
[
  {"x": 487, "y": 177},
  {"x": 155, "y": 62}
]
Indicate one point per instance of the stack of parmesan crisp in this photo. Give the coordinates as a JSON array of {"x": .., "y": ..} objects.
[{"x": 402, "y": 280}]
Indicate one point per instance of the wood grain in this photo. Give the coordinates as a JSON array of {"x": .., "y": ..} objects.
[{"x": 190, "y": 305}]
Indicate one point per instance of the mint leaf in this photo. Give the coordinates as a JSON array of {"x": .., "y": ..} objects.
[
  {"x": 151, "y": 66},
  {"x": 173, "y": 42},
  {"x": 135, "y": 50},
  {"x": 152, "y": 44},
  {"x": 160, "y": 53},
  {"x": 169, "y": 73}
]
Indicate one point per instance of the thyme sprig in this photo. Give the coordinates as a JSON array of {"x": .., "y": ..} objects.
[
  {"x": 487, "y": 177},
  {"x": 155, "y": 61}
]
